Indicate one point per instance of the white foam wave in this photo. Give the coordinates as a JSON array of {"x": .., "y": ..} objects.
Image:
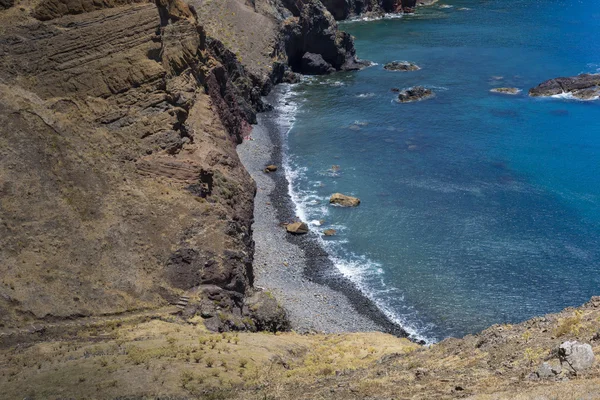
[
  {"x": 569, "y": 96},
  {"x": 310, "y": 206},
  {"x": 369, "y": 18},
  {"x": 365, "y": 95}
]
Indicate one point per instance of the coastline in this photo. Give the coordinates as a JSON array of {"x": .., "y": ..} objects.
[{"x": 296, "y": 269}]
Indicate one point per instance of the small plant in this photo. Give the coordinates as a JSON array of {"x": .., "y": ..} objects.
[
  {"x": 531, "y": 356},
  {"x": 209, "y": 362},
  {"x": 526, "y": 336},
  {"x": 569, "y": 325},
  {"x": 243, "y": 363},
  {"x": 186, "y": 378}
]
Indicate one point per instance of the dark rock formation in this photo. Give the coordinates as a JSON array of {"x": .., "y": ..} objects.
[
  {"x": 584, "y": 86},
  {"x": 315, "y": 31},
  {"x": 401, "y": 66},
  {"x": 6, "y": 4},
  {"x": 342, "y": 9},
  {"x": 415, "y": 93},
  {"x": 314, "y": 64}
]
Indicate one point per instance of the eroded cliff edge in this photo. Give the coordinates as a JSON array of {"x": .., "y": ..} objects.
[{"x": 120, "y": 186}]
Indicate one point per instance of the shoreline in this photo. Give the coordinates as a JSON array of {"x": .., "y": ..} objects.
[{"x": 297, "y": 269}]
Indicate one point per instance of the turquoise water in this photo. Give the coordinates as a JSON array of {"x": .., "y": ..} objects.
[{"x": 477, "y": 208}]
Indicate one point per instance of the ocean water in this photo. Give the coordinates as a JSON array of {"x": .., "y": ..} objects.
[{"x": 477, "y": 208}]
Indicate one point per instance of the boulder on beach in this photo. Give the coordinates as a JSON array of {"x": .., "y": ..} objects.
[
  {"x": 401, "y": 66},
  {"x": 506, "y": 90},
  {"x": 583, "y": 87},
  {"x": 297, "y": 228},
  {"x": 343, "y": 200},
  {"x": 329, "y": 232},
  {"x": 416, "y": 93},
  {"x": 271, "y": 168}
]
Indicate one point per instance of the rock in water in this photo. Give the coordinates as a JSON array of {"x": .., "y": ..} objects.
[
  {"x": 329, "y": 232},
  {"x": 271, "y": 168},
  {"x": 297, "y": 228},
  {"x": 314, "y": 64},
  {"x": 401, "y": 66},
  {"x": 578, "y": 356},
  {"x": 584, "y": 87},
  {"x": 505, "y": 90},
  {"x": 343, "y": 200},
  {"x": 416, "y": 93}
]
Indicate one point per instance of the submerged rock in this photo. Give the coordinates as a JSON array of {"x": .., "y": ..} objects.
[
  {"x": 584, "y": 87},
  {"x": 577, "y": 356},
  {"x": 506, "y": 90},
  {"x": 415, "y": 93},
  {"x": 343, "y": 200},
  {"x": 401, "y": 66},
  {"x": 297, "y": 228}
]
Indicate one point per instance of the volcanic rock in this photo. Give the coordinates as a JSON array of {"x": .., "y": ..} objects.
[
  {"x": 401, "y": 66},
  {"x": 314, "y": 64},
  {"x": 416, "y": 93},
  {"x": 584, "y": 87}
]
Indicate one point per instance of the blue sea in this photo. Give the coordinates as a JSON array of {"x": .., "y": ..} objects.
[{"x": 477, "y": 208}]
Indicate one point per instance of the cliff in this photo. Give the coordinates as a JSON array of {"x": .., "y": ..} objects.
[
  {"x": 120, "y": 186},
  {"x": 125, "y": 218}
]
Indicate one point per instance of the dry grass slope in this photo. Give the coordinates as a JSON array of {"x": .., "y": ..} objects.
[{"x": 165, "y": 355}]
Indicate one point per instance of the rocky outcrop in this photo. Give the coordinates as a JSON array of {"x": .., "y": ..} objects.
[
  {"x": 344, "y": 200},
  {"x": 343, "y": 9},
  {"x": 584, "y": 87},
  {"x": 119, "y": 123},
  {"x": 416, "y": 93},
  {"x": 401, "y": 66},
  {"x": 314, "y": 64},
  {"x": 313, "y": 30}
]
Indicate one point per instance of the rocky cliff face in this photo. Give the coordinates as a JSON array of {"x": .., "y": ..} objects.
[{"x": 120, "y": 186}]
